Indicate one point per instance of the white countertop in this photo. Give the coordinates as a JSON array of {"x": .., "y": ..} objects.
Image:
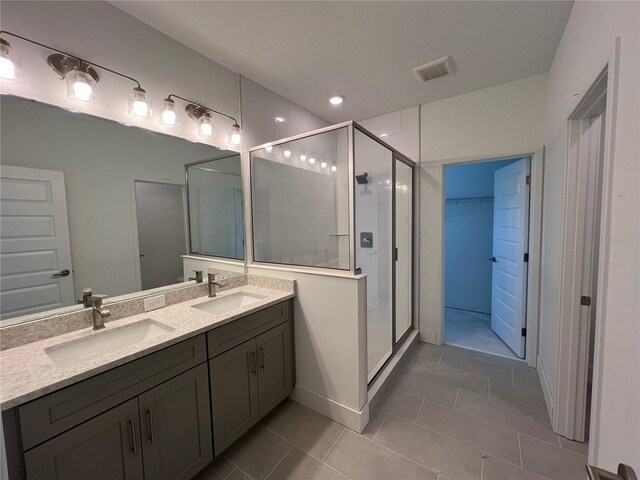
[{"x": 27, "y": 372}]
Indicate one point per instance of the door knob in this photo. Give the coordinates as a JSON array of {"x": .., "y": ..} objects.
[
  {"x": 63, "y": 273},
  {"x": 493, "y": 259}
]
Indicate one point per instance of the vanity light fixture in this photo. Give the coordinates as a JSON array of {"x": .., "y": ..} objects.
[
  {"x": 139, "y": 104},
  {"x": 79, "y": 74},
  {"x": 336, "y": 99},
  {"x": 312, "y": 160},
  {"x": 323, "y": 164},
  {"x": 268, "y": 148},
  {"x": 10, "y": 64},
  {"x": 169, "y": 116},
  {"x": 202, "y": 115},
  {"x": 286, "y": 153},
  {"x": 334, "y": 167},
  {"x": 303, "y": 158}
]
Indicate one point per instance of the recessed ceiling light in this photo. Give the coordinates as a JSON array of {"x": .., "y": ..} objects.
[
  {"x": 336, "y": 99},
  {"x": 279, "y": 119}
]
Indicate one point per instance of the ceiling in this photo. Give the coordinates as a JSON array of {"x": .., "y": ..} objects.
[{"x": 308, "y": 51}]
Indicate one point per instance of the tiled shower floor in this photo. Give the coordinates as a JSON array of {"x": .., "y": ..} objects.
[{"x": 451, "y": 414}]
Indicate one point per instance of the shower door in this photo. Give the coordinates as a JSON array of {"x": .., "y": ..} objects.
[{"x": 403, "y": 251}]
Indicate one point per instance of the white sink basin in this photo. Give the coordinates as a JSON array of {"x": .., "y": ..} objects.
[
  {"x": 81, "y": 350},
  {"x": 229, "y": 303}
]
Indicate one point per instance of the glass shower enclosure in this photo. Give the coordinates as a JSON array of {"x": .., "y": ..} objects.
[{"x": 340, "y": 198}]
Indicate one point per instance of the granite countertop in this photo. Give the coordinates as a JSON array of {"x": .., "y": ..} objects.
[{"x": 27, "y": 372}]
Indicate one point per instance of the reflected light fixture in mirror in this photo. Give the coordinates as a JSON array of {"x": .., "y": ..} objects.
[
  {"x": 312, "y": 160},
  {"x": 169, "y": 116},
  {"x": 10, "y": 64},
  {"x": 139, "y": 104},
  {"x": 287, "y": 153},
  {"x": 334, "y": 167}
]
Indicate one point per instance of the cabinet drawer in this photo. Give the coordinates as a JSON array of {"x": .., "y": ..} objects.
[
  {"x": 48, "y": 416},
  {"x": 239, "y": 331}
]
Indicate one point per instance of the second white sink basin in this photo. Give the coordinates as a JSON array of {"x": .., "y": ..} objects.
[
  {"x": 81, "y": 350},
  {"x": 229, "y": 303}
]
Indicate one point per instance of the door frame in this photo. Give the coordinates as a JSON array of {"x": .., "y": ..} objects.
[
  {"x": 568, "y": 408},
  {"x": 535, "y": 239},
  {"x": 134, "y": 219}
]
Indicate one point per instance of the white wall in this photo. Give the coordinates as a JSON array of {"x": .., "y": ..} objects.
[
  {"x": 502, "y": 121},
  {"x": 586, "y": 47},
  {"x": 106, "y": 35}
]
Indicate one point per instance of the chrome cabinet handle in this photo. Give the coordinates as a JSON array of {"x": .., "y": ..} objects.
[
  {"x": 150, "y": 418},
  {"x": 63, "y": 273},
  {"x": 261, "y": 357},
  {"x": 134, "y": 445}
]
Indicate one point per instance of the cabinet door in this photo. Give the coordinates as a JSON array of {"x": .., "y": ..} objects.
[
  {"x": 274, "y": 367},
  {"x": 106, "y": 447},
  {"x": 176, "y": 426},
  {"x": 234, "y": 394}
]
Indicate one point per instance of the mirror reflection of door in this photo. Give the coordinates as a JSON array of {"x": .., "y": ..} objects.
[{"x": 161, "y": 232}]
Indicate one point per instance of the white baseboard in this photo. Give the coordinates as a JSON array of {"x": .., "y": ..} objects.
[
  {"x": 546, "y": 388},
  {"x": 347, "y": 416}
]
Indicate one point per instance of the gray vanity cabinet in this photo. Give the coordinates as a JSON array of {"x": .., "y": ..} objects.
[
  {"x": 249, "y": 379},
  {"x": 274, "y": 367},
  {"x": 106, "y": 447},
  {"x": 175, "y": 421},
  {"x": 234, "y": 394}
]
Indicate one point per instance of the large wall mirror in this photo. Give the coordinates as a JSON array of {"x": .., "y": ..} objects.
[{"x": 91, "y": 203}]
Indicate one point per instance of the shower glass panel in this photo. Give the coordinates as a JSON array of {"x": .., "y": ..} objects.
[
  {"x": 373, "y": 213},
  {"x": 403, "y": 246},
  {"x": 300, "y": 201}
]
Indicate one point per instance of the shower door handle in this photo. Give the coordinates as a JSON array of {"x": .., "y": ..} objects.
[{"x": 395, "y": 254}]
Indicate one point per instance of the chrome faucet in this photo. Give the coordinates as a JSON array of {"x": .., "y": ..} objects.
[
  {"x": 212, "y": 285},
  {"x": 198, "y": 277},
  {"x": 99, "y": 312}
]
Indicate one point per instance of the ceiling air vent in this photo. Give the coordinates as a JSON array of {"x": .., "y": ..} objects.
[{"x": 435, "y": 69}]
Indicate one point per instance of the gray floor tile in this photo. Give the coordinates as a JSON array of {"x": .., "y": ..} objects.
[
  {"x": 452, "y": 376},
  {"x": 401, "y": 404},
  {"x": 577, "y": 447},
  {"x": 552, "y": 462},
  {"x": 311, "y": 432},
  {"x": 376, "y": 417},
  {"x": 361, "y": 459},
  {"x": 238, "y": 475},
  {"x": 525, "y": 398},
  {"x": 258, "y": 452},
  {"x": 527, "y": 377},
  {"x": 505, "y": 414},
  {"x": 494, "y": 469},
  {"x": 434, "y": 451},
  {"x": 428, "y": 352},
  {"x": 219, "y": 470},
  {"x": 299, "y": 465},
  {"x": 479, "y": 434},
  {"x": 433, "y": 391},
  {"x": 497, "y": 359},
  {"x": 492, "y": 370}
]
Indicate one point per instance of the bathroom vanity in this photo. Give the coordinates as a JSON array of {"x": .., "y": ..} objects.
[{"x": 203, "y": 373}]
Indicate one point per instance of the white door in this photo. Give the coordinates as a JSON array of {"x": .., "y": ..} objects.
[
  {"x": 35, "y": 255},
  {"x": 510, "y": 243}
]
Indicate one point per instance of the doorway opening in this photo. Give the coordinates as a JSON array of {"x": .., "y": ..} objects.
[
  {"x": 160, "y": 213},
  {"x": 486, "y": 255}
]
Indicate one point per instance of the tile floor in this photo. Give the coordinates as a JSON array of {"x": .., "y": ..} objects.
[
  {"x": 452, "y": 414},
  {"x": 473, "y": 330}
]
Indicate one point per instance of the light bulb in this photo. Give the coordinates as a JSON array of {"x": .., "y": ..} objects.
[
  {"x": 336, "y": 99},
  {"x": 10, "y": 65},
  {"x": 80, "y": 86},
  {"x": 287, "y": 153},
  {"x": 139, "y": 105},
  {"x": 235, "y": 137},
  {"x": 312, "y": 160},
  {"x": 169, "y": 117},
  {"x": 205, "y": 126},
  {"x": 268, "y": 148},
  {"x": 303, "y": 158},
  {"x": 323, "y": 164},
  {"x": 334, "y": 167}
]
